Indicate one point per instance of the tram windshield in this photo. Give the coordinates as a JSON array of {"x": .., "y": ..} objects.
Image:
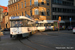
[{"x": 19, "y": 23}]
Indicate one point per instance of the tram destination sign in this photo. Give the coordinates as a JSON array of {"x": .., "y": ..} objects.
[{"x": 15, "y": 17}]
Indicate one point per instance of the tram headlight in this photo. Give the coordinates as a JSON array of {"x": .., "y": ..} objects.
[{"x": 12, "y": 32}]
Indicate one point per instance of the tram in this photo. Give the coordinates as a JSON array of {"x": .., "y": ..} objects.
[
  {"x": 49, "y": 25},
  {"x": 45, "y": 25},
  {"x": 19, "y": 26},
  {"x": 32, "y": 27}
]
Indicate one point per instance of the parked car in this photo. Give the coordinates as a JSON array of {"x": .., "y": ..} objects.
[
  {"x": 74, "y": 30},
  {"x": 70, "y": 27}
]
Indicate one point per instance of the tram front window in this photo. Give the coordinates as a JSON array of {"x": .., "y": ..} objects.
[{"x": 16, "y": 23}]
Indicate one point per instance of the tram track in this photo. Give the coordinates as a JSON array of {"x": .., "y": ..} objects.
[
  {"x": 27, "y": 45},
  {"x": 37, "y": 43},
  {"x": 48, "y": 34},
  {"x": 33, "y": 43}
]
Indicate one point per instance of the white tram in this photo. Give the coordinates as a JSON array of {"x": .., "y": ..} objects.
[
  {"x": 19, "y": 26},
  {"x": 32, "y": 27},
  {"x": 49, "y": 25}
]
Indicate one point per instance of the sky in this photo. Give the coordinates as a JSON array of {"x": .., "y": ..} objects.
[{"x": 4, "y": 2}]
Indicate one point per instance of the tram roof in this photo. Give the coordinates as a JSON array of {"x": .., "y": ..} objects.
[
  {"x": 19, "y": 18},
  {"x": 50, "y": 21}
]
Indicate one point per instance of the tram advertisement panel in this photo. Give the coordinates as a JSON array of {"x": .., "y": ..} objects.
[{"x": 56, "y": 24}]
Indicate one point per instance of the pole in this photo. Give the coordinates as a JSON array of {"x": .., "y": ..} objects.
[
  {"x": 70, "y": 23},
  {"x": 0, "y": 36},
  {"x": 58, "y": 26}
]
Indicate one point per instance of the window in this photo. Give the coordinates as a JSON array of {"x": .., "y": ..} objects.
[
  {"x": 36, "y": 12},
  {"x": 57, "y": 1},
  {"x": 48, "y": 12},
  {"x": 18, "y": 6},
  {"x": 22, "y": 13},
  {"x": 36, "y": 2},
  {"x": 25, "y": 13},
  {"x": 13, "y": 1},
  {"x": 42, "y": 2},
  {"x": 53, "y": 9},
  {"x": 25, "y": 3},
  {"x": 22, "y": 4},
  {"x": 9, "y": 3},
  {"x": 54, "y": 17},
  {"x": 47, "y": 2},
  {"x": 16, "y": 14},
  {"x": 54, "y": 1},
  {"x": 5, "y": 9},
  {"x": 19, "y": 23},
  {"x": 31, "y": 12},
  {"x": 30, "y": 2},
  {"x": 57, "y": 17},
  {"x": 43, "y": 12}
]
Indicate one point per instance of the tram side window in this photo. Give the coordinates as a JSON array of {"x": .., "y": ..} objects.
[
  {"x": 16, "y": 24},
  {"x": 12, "y": 23},
  {"x": 29, "y": 25},
  {"x": 24, "y": 23},
  {"x": 41, "y": 24},
  {"x": 36, "y": 24},
  {"x": 49, "y": 24},
  {"x": 33, "y": 25}
]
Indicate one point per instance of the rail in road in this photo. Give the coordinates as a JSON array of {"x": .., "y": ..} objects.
[
  {"x": 33, "y": 43},
  {"x": 27, "y": 45},
  {"x": 45, "y": 33}
]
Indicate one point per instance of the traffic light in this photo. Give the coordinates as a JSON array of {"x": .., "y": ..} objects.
[{"x": 59, "y": 18}]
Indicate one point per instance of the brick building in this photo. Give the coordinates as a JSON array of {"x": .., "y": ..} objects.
[
  {"x": 44, "y": 9},
  {"x": 5, "y": 19},
  {"x": 38, "y": 9},
  {"x": 3, "y": 9}
]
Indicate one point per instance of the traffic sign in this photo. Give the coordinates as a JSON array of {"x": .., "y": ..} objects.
[{"x": 70, "y": 19}]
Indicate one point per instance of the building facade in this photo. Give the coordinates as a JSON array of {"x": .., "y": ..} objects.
[
  {"x": 38, "y": 9},
  {"x": 3, "y": 9},
  {"x": 5, "y": 19},
  {"x": 43, "y": 9},
  {"x": 65, "y": 9}
]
